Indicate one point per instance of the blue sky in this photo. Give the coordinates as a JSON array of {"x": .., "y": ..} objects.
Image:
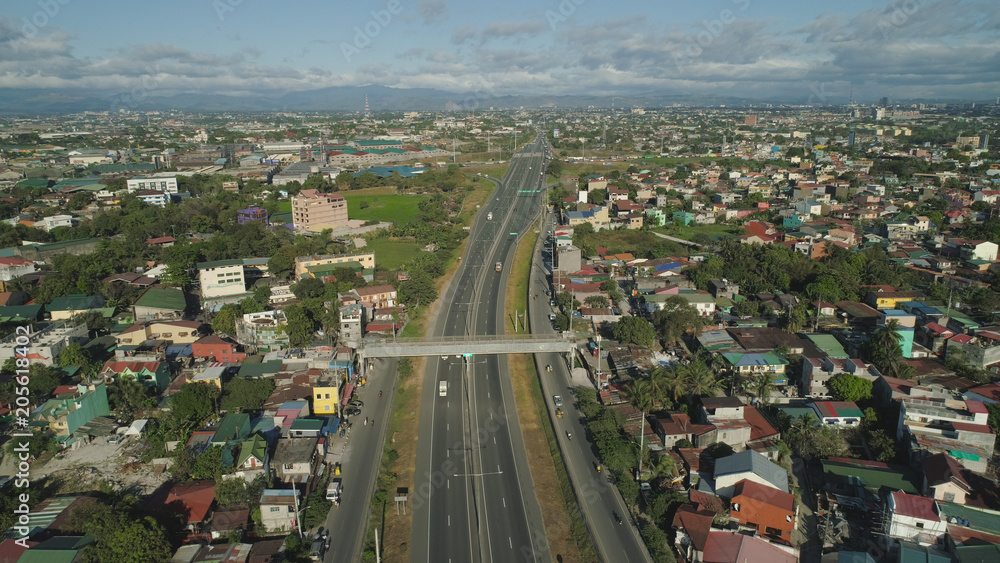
[{"x": 813, "y": 51}]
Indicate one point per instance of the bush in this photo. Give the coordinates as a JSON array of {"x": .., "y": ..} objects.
[{"x": 658, "y": 544}]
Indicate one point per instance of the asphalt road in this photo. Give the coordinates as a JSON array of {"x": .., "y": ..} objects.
[
  {"x": 599, "y": 499},
  {"x": 473, "y": 498},
  {"x": 360, "y": 465}
]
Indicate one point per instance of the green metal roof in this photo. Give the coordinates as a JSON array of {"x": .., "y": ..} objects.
[
  {"x": 829, "y": 344},
  {"x": 33, "y": 183},
  {"x": 871, "y": 477},
  {"x": 75, "y": 302},
  {"x": 65, "y": 244},
  {"x": 58, "y": 549},
  {"x": 20, "y": 312},
  {"x": 979, "y": 518},
  {"x": 163, "y": 298},
  {"x": 255, "y": 446},
  {"x": 260, "y": 369},
  {"x": 219, "y": 263}
]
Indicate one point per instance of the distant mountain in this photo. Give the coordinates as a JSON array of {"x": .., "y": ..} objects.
[{"x": 335, "y": 98}]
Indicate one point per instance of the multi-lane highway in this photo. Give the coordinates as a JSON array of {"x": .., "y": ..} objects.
[{"x": 473, "y": 499}]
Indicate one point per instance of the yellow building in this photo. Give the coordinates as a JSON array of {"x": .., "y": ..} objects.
[
  {"x": 303, "y": 263},
  {"x": 325, "y": 399},
  {"x": 178, "y": 332}
]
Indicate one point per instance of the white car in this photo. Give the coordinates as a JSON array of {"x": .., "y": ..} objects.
[{"x": 557, "y": 400}]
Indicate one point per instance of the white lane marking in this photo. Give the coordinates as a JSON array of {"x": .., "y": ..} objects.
[
  {"x": 449, "y": 484},
  {"x": 449, "y": 519},
  {"x": 504, "y": 502},
  {"x": 494, "y": 440},
  {"x": 448, "y": 427},
  {"x": 488, "y": 395},
  {"x": 510, "y": 542}
]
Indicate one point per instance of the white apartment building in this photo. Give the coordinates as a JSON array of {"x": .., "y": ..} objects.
[
  {"x": 221, "y": 278},
  {"x": 166, "y": 184},
  {"x": 46, "y": 344}
]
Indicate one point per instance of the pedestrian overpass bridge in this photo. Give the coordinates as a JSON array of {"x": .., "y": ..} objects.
[{"x": 466, "y": 345}]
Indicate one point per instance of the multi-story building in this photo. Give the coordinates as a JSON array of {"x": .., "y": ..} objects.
[
  {"x": 915, "y": 518},
  {"x": 764, "y": 509},
  {"x": 326, "y": 396},
  {"x": 221, "y": 278},
  {"x": 262, "y": 332},
  {"x": 252, "y": 213},
  {"x": 14, "y": 267},
  {"x": 71, "y": 407},
  {"x": 296, "y": 459},
  {"x": 304, "y": 263},
  {"x": 352, "y": 324},
  {"x": 277, "y": 509},
  {"x": 153, "y": 197},
  {"x": 46, "y": 344},
  {"x": 165, "y": 184},
  {"x": 377, "y": 295},
  {"x": 956, "y": 427},
  {"x": 313, "y": 210}
]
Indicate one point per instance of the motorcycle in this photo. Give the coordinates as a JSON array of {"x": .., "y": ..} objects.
[
  {"x": 569, "y": 435},
  {"x": 617, "y": 517},
  {"x": 379, "y": 394}
]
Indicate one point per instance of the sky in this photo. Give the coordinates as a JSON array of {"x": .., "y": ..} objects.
[{"x": 812, "y": 52}]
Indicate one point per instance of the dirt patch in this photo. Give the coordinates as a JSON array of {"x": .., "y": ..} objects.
[{"x": 398, "y": 530}]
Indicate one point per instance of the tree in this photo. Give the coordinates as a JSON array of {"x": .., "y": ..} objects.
[
  {"x": 127, "y": 398},
  {"x": 812, "y": 440},
  {"x": 763, "y": 387},
  {"x": 847, "y": 387},
  {"x": 282, "y": 263},
  {"x": 122, "y": 533},
  {"x": 241, "y": 394},
  {"x": 417, "y": 290},
  {"x": 635, "y": 330},
  {"x": 598, "y": 301},
  {"x": 225, "y": 319},
  {"x": 300, "y": 326},
  {"x": 675, "y": 319},
  {"x": 76, "y": 355},
  {"x": 700, "y": 380},
  {"x": 192, "y": 405},
  {"x": 554, "y": 168},
  {"x": 882, "y": 446},
  {"x": 308, "y": 288},
  {"x": 177, "y": 275}
]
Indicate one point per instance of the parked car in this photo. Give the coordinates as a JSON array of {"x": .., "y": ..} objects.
[
  {"x": 353, "y": 411},
  {"x": 356, "y": 403}
]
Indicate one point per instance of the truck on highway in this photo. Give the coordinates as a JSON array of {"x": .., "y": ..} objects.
[
  {"x": 442, "y": 388},
  {"x": 499, "y": 266}
]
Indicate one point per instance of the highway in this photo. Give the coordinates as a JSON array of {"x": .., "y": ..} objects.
[
  {"x": 599, "y": 499},
  {"x": 473, "y": 498}
]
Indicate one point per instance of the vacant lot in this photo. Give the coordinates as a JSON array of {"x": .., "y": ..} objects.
[
  {"x": 398, "y": 209},
  {"x": 392, "y": 254}
]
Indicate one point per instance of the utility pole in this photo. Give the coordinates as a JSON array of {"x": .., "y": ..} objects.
[{"x": 295, "y": 502}]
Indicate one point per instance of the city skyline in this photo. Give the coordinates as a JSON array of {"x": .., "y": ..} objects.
[{"x": 731, "y": 48}]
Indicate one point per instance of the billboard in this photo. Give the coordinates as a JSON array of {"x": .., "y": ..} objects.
[{"x": 555, "y": 133}]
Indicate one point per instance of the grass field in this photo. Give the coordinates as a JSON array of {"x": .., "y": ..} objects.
[
  {"x": 398, "y": 209},
  {"x": 392, "y": 254},
  {"x": 713, "y": 231},
  {"x": 284, "y": 207}
]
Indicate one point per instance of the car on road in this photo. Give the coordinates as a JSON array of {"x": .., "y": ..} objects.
[
  {"x": 352, "y": 411},
  {"x": 356, "y": 403},
  {"x": 557, "y": 400}
]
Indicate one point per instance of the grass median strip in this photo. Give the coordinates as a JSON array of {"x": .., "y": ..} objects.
[{"x": 565, "y": 531}]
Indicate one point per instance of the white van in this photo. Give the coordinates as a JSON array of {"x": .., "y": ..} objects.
[{"x": 443, "y": 388}]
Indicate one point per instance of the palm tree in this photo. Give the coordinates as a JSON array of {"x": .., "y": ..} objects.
[
  {"x": 664, "y": 466},
  {"x": 763, "y": 386},
  {"x": 640, "y": 394},
  {"x": 701, "y": 380},
  {"x": 667, "y": 382}
]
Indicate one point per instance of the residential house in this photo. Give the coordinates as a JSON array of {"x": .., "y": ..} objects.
[
  {"x": 674, "y": 427},
  {"x": 68, "y": 306},
  {"x": 945, "y": 479},
  {"x": 295, "y": 459},
  {"x": 764, "y": 509},
  {"x": 749, "y": 465},
  {"x": 703, "y": 302},
  {"x": 151, "y": 374},
  {"x": 843, "y": 413},
  {"x": 175, "y": 332},
  {"x": 56, "y": 549},
  {"x": 304, "y": 263},
  {"x": 212, "y": 374},
  {"x": 263, "y": 332},
  {"x": 723, "y": 288},
  {"x": 731, "y": 547},
  {"x": 191, "y": 501},
  {"x": 160, "y": 304},
  {"x": 71, "y": 407},
  {"x": 252, "y": 459},
  {"x": 376, "y": 296},
  {"x": 751, "y": 364},
  {"x": 692, "y": 525},
  {"x": 915, "y": 518},
  {"x": 234, "y": 426},
  {"x": 217, "y": 349},
  {"x": 326, "y": 396}
]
